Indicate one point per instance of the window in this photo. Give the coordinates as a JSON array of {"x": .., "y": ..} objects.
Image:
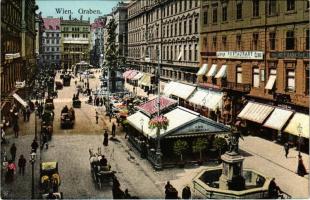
[
  {"x": 180, "y": 8},
  {"x": 290, "y": 5},
  {"x": 290, "y": 80},
  {"x": 272, "y": 7},
  {"x": 196, "y": 25},
  {"x": 190, "y": 4},
  {"x": 184, "y": 53},
  {"x": 52, "y": 40},
  {"x": 214, "y": 42},
  {"x": 239, "y": 10},
  {"x": 196, "y": 52},
  {"x": 255, "y": 8},
  {"x": 184, "y": 27},
  {"x": 224, "y": 13},
  {"x": 205, "y": 17},
  {"x": 185, "y": 4},
  {"x": 175, "y": 8},
  {"x": 190, "y": 25},
  {"x": 47, "y": 41},
  {"x": 238, "y": 41},
  {"x": 171, "y": 27},
  {"x": 307, "y": 39},
  {"x": 255, "y": 77},
  {"x": 272, "y": 41},
  {"x": 180, "y": 28},
  {"x": 164, "y": 31},
  {"x": 175, "y": 29},
  {"x": 307, "y": 78},
  {"x": 239, "y": 74},
  {"x": 290, "y": 40},
  {"x": 205, "y": 43},
  {"x": 190, "y": 52},
  {"x": 255, "y": 41},
  {"x": 214, "y": 15},
  {"x": 224, "y": 42}
]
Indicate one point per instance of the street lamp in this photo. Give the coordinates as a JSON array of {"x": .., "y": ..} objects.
[
  {"x": 35, "y": 123},
  {"x": 299, "y": 129},
  {"x": 32, "y": 161}
]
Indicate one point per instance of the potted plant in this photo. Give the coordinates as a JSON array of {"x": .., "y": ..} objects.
[
  {"x": 199, "y": 145},
  {"x": 220, "y": 145},
  {"x": 179, "y": 147}
]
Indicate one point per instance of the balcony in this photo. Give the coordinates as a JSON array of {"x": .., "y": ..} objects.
[{"x": 240, "y": 87}]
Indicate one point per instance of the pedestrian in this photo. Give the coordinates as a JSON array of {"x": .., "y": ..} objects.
[
  {"x": 105, "y": 138},
  {"x": 113, "y": 129},
  {"x": 13, "y": 151},
  {"x": 301, "y": 170},
  {"x": 273, "y": 189},
  {"x": 186, "y": 193},
  {"x": 3, "y": 140},
  {"x": 25, "y": 114},
  {"x": 286, "y": 149},
  {"x": 97, "y": 101},
  {"x": 97, "y": 117},
  {"x": 22, "y": 164},
  {"x": 28, "y": 113},
  {"x": 44, "y": 140},
  {"x": 11, "y": 170},
  {"x": 34, "y": 146},
  {"x": 16, "y": 129}
]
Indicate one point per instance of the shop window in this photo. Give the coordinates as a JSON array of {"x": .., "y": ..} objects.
[
  {"x": 272, "y": 41},
  {"x": 290, "y": 5},
  {"x": 290, "y": 40},
  {"x": 272, "y": 7},
  {"x": 214, "y": 15},
  {"x": 239, "y": 74},
  {"x": 224, "y": 13},
  {"x": 205, "y": 17},
  {"x": 255, "y": 77},
  {"x": 255, "y": 8},
  {"x": 290, "y": 80},
  {"x": 239, "y": 10}
]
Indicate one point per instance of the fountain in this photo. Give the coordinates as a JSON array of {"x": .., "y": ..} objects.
[{"x": 230, "y": 180}]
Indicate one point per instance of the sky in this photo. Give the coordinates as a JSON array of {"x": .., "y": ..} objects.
[{"x": 50, "y": 8}]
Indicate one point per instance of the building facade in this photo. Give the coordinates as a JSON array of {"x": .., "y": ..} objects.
[
  {"x": 75, "y": 41},
  {"x": 256, "y": 51},
  {"x": 97, "y": 42},
  {"x": 52, "y": 38},
  {"x": 167, "y": 33},
  {"x": 39, "y": 39}
]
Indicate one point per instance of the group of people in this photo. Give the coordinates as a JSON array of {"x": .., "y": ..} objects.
[{"x": 172, "y": 193}]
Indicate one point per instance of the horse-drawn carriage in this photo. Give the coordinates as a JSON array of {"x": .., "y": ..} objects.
[
  {"x": 49, "y": 104},
  {"x": 100, "y": 169},
  {"x": 59, "y": 85},
  {"x": 49, "y": 179},
  {"x": 67, "y": 118},
  {"x": 66, "y": 79}
]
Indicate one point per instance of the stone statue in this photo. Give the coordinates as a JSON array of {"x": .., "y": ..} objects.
[{"x": 234, "y": 141}]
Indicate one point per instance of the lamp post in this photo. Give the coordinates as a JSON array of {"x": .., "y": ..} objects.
[
  {"x": 35, "y": 123},
  {"x": 32, "y": 161},
  {"x": 299, "y": 129}
]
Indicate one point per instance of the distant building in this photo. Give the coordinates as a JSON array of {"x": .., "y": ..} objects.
[
  {"x": 75, "y": 41},
  {"x": 52, "y": 37},
  {"x": 39, "y": 39},
  {"x": 97, "y": 43}
]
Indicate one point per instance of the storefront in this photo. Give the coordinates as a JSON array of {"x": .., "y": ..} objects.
[
  {"x": 184, "y": 125},
  {"x": 179, "y": 91}
]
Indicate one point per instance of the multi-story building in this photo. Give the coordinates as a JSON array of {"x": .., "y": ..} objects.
[
  {"x": 39, "y": 39},
  {"x": 52, "y": 37},
  {"x": 75, "y": 41},
  {"x": 105, "y": 33},
  {"x": 164, "y": 32},
  {"x": 119, "y": 13},
  {"x": 256, "y": 50},
  {"x": 18, "y": 59},
  {"x": 97, "y": 43}
]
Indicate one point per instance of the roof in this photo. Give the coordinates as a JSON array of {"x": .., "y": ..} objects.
[
  {"x": 150, "y": 107},
  {"x": 51, "y": 23}
]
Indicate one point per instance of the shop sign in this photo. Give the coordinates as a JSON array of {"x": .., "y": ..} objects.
[
  {"x": 255, "y": 55},
  {"x": 20, "y": 84},
  {"x": 290, "y": 54}
]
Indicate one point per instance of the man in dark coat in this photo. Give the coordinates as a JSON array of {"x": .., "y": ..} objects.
[
  {"x": 113, "y": 130},
  {"x": 34, "y": 146},
  {"x": 105, "y": 138},
  {"x": 16, "y": 129},
  {"x": 286, "y": 149},
  {"x": 22, "y": 164},
  {"x": 13, "y": 151}
]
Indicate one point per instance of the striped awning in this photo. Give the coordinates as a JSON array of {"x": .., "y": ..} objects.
[
  {"x": 138, "y": 76},
  {"x": 145, "y": 80},
  {"x": 212, "y": 71},
  {"x": 132, "y": 74},
  {"x": 179, "y": 89},
  {"x": 203, "y": 70},
  {"x": 256, "y": 112},
  {"x": 126, "y": 73},
  {"x": 278, "y": 118},
  {"x": 207, "y": 98},
  {"x": 222, "y": 72}
]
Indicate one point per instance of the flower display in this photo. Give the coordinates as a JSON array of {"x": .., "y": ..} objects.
[{"x": 160, "y": 122}]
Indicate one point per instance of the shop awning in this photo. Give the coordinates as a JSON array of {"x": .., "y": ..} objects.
[
  {"x": 145, "y": 80},
  {"x": 203, "y": 70},
  {"x": 255, "y": 112},
  {"x": 222, "y": 72},
  {"x": 207, "y": 98},
  {"x": 212, "y": 71},
  {"x": 132, "y": 75},
  {"x": 179, "y": 89},
  {"x": 20, "y": 100},
  {"x": 299, "y": 125},
  {"x": 126, "y": 73},
  {"x": 150, "y": 107},
  {"x": 138, "y": 76},
  {"x": 278, "y": 118},
  {"x": 271, "y": 81}
]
